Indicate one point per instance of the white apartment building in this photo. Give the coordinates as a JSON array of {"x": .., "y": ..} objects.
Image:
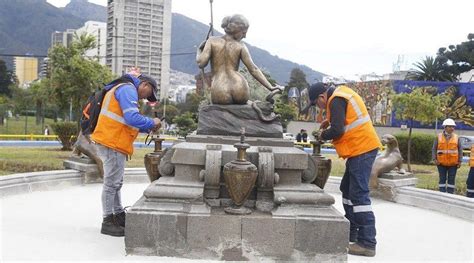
[
  {"x": 467, "y": 76},
  {"x": 139, "y": 35},
  {"x": 99, "y": 31}
]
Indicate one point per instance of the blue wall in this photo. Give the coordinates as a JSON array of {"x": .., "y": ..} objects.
[{"x": 464, "y": 89}]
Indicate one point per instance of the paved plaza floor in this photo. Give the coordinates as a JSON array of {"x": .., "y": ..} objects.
[{"x": 64, "y": 225}]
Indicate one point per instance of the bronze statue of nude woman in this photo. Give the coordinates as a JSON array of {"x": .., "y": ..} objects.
[{"x": 225, "y": 53}]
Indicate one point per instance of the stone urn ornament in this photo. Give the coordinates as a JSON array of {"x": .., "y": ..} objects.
[
  {"x": 240, "y": 176},
  {"x": 322, "y": 164},
  {"x": 152, "y": 160}
]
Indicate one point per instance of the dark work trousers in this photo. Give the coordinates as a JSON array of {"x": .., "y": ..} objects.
[
  {"x": 356, "y": 201},
  {"x": 450, "y": 173},
  {"x": 470, "y": 183}
]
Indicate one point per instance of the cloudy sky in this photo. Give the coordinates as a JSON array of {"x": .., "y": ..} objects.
[{"x": 342, "y": 37}]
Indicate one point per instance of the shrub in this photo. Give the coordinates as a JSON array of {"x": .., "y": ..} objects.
[
  {"x": 421, "y": 145},
  {"x": 66, "y": 132}
]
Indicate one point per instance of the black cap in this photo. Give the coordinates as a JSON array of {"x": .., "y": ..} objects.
[
  {"x": 315, "y": 90},
  {"x": 154, "y": 94}
]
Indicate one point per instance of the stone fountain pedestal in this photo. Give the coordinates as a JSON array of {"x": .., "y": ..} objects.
[
  {"x": 182, "y": 213},
  {"x": 391, "y": 182}
]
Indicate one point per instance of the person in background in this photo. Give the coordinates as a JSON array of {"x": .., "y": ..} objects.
[
  {"x": 349, "y": 127},
  {"x": 470, "y": 177},
  {"x": 46, "y": 130},
  {"x": 304, "y": 135},
  {"x": 299, "y": 136},
  {"x": 447, "y": 155},
  {"x": 118, "y": 126}
]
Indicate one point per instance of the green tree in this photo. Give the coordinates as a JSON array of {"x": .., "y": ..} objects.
[
  {"x": 6, "y": 79},
  {"x": 458, "y": 58},
  {"x": 74, "y": 77},
  {"x": 418, "y": 105},
  {"x": 171, "y": 112},
  {"x": 22, "y": 100},
  {"x": 193, "y": 101},
  {"x": 41, "y": 94},
  {"x": 298, "y": 79},
  {"x": 288, "y": 112},
  {"x": 431, "y": 69},
  {"x": 185, "y": 123}
]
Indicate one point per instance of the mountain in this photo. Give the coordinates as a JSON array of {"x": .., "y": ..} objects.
[
  {"x": 187, "y": 34},
  {"x": 87, "y": 11},
  {"x": 26, "y": 27}
]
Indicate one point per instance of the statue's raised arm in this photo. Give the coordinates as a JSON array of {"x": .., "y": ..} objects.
[{"x": 225, "y": 53}]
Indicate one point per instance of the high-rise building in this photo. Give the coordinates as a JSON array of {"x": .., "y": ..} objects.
[
  {"x": 62, "y": 38},
  {"x": 26, "y": 70},
  {"x": 139, "y": 35},
  {"x": 44, "y": 68},
  {"x": 99, "y": 31}
]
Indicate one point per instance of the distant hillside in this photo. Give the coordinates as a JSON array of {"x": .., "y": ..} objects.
[
  {"x": 187, "y": 33},
  {"x": 26, "y": 27},
  {"x": 87, "y": 11}
]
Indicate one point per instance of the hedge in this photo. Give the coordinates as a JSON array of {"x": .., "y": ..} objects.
[{"x": 66, "y": 132}]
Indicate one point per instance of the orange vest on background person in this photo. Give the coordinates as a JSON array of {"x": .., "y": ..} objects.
[
  {"x": 359, "y": 134},
  {"x": 112, "y": 130},
  {"x": 471, "y": 160},
  {"x": 447, "y": 153}
]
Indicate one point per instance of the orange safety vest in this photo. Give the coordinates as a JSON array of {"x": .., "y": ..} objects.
[
  {"x": 359, "y": 134},
  {"x": 448, "y": 152},
  {"x": 111, "y": 129},
  {"x": 471, "y": 160}
]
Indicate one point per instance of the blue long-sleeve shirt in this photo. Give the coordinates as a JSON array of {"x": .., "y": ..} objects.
[{"x": 127, "y": 96}]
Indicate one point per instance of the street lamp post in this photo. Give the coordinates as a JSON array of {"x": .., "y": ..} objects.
[{"x": 116, "y": 44}]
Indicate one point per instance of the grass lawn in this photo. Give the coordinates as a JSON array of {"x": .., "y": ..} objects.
[
  {"x": 24, "y": 159},
  {"x": 14, "y": 126},
  {"x": 427, "y": 174}
]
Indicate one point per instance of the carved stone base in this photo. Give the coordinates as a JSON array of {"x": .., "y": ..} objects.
[
  {"x": 390, "y": 182},
  {"x": 183, "y": 212},
  {"x": 238, "y": 210},
  {"x": 229, "y": 119},
  {"x": 307, "y": 233}
]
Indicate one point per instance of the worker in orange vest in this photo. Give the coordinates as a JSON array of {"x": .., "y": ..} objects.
[
  {"x": 470, "y": 177},
  {"x": 117, "y": 128},
  {"x": 447, "y": 155},
  {"x": 354, "y": 137}
]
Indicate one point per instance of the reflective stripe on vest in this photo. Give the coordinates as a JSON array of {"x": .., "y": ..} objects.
[
  {"x": 105, "y": 108},
  {"x": 359, "y": 135},
  {"x": 112, "y": 131},
  {"x": 447, "y": 151}
]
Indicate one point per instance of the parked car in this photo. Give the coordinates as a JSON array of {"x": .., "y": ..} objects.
[
  {"x": 466, "y": 142},
  {"x": 288, "y": 136}
]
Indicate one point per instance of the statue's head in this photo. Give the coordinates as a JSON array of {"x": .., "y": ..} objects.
[
  {"x": 235, "y": 24},
  {"x": 390, "y": 141}
]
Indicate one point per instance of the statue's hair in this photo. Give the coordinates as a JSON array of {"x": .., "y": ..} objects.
[{"x": 234, "y": 23}]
